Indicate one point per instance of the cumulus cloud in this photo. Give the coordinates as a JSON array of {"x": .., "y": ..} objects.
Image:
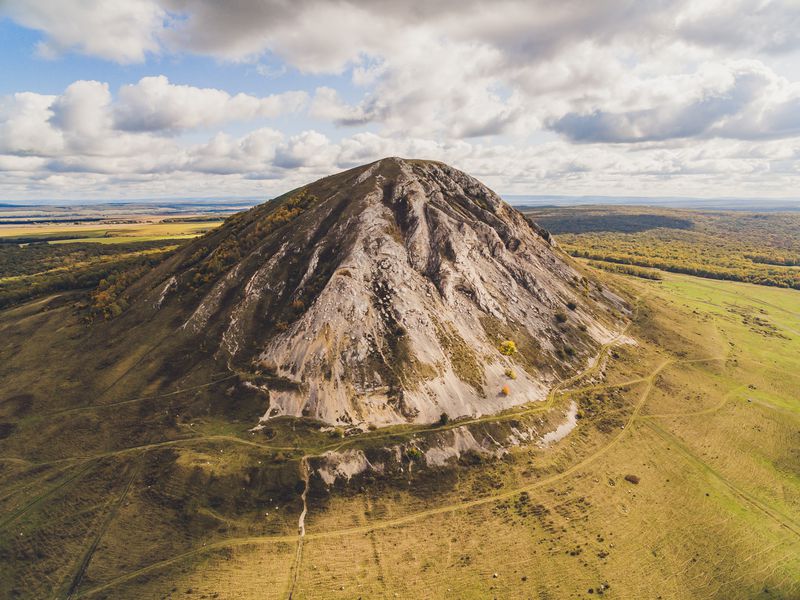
[
  {"x": 533, "y": 95},
  {"x": 772, "y": 25},
  {"x": 120, "y": 31},
  {"x": 309, "y": 149},
  {"x": 25, "y": 125},
  {"x": 736, "y": 100},
  {"x": 301, "y": 31},
  {"x": 155, "y": 104},
  {"x": 87, "y": 116},
  {"x": 327, "y": 105}
]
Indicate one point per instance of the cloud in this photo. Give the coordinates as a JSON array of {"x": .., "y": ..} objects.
[
  {"x": 445, "y": 70},
  {"x": 771, "y": 26},
  {"x": 741, "y": 100},
  {"x": 301, "y": 32},
  {"x": 252, "y": 155},
  {"x": 25, "y": 127},
  {"x": 328, "y": 106},
  {"x": 308, "y": 149},
  {"x": 83, "y": 111},
  {"x": 122, "y": 31},
  {"x": 87, "y": 118},
  {"x": 536, "y": 96},
  {"x": 154, "y": 104}
]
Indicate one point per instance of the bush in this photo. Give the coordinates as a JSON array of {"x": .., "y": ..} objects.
[
  {"x": 505, "y": 390},
  {"x": 511, "y": 373},
  {"x": 572, "y": 305},
  {"x": 508, "y": 347},
  {"x": 561, "y": 316},
  {"x": 414, "y": 454},
  {"x": 444, "y": 419}
]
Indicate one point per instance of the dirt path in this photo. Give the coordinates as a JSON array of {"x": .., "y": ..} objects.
[
  {"x": 399, "y": 521},
  {"x": 774, "y": 514},
  {"x": 301, "y": 528},
  {"x": 21, "y": 511},
  {"x": 87, "y": 557}
]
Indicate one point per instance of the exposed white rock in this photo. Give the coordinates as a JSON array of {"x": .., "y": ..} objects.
[
  {"x": 455, "y": 443},
  {"x": 168, "y": 285},
  {"x": 345, "y": 465},
  {"x": 564, "y": 429},
  {"x": 384, "y": 300}
]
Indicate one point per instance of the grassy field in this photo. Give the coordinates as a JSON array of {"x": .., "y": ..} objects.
[
  {"x": 107, "y": 233},
  {"x": 106, "y": 499}
]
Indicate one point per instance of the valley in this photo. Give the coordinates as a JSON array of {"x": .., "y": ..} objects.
[
  {"x": 216, "y": 422},
  {"x": 399, "y": 300}
]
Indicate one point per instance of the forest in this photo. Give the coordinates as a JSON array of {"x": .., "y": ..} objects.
[
  {"x": 753, "y": 247},
  {"x": 32, "y": 270}
]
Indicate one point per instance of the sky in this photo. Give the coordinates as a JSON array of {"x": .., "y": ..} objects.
[{"x": 141, "y": 99}]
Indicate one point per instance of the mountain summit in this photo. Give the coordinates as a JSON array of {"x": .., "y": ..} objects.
[{"x": 399, "y": 291}]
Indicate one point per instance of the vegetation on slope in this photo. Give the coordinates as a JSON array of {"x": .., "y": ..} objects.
[{"x": 27, "y": 272}]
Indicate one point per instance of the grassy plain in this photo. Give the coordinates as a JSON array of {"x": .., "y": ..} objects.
[
  {"x": 107, "y": 233},
  {"x": 703, "y": 411}
]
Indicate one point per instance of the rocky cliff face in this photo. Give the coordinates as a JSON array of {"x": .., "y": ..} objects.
[{"x": 394, "y": 292}]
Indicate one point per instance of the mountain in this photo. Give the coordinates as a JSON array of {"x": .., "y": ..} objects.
[{"x": 395, "y": 292}]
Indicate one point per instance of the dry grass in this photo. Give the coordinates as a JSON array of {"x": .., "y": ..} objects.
[{"x": 709, "y": 422}]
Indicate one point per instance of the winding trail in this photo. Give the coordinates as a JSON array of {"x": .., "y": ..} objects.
[
  {"x": 399, "y": 521},
  {"x": 634, "y": 417}
]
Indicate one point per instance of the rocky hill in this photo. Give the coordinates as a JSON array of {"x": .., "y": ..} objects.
[{"x": 399, "y": 291}]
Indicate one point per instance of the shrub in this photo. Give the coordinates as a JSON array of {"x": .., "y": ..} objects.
[
  {"x": 572, "y": 305},
  {"x": 413, "y": 453},
  {"x": 444, "y": 419},
  {"x": 511, "y": 373},
  {"x": 505, "y": 390},
  {"x": 508, "y": 347},
  {"x": 561, "y": 316}
]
